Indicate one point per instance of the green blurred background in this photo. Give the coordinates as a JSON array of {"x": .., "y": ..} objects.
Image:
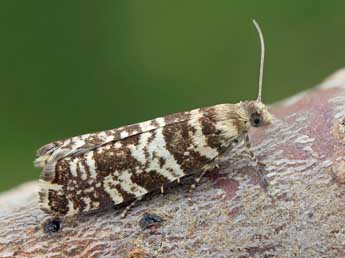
[{"x": 72, "y": 67}]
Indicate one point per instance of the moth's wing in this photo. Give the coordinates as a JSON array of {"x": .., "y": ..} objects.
[
  {"x": 49, "y": 154},
  {"x": 131, "y": 164},
  {"x": 77, "y": 145}
]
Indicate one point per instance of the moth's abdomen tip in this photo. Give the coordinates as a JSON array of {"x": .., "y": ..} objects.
[
  {"x": 41, "y": 161},
  {"x": 48, "y": 172},
  {"x": 44, "y": 153}
]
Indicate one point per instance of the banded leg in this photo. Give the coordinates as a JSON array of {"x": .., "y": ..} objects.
[
  {"x": 204, "y": 170},
  {"x": 259, "y": 170},
  {"x": 162, "y": 189},
  {"x": 215, "y": 164},
  {"x": 130, "y": 206}
]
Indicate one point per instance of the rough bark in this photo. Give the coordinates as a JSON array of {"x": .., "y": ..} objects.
[{"x": 229, "y": 215}]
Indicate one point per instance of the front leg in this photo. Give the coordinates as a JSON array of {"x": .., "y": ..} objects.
[
  {"x": 130, "y": 206},
  {"x": 259, "y": 165}
]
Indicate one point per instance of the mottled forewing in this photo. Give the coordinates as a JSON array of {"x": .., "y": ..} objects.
[
  {"x": 81, "y": 144},
  {"x": 161, "y": 151}
]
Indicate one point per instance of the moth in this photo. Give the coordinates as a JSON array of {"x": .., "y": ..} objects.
[{"x": 102, "y": 169}]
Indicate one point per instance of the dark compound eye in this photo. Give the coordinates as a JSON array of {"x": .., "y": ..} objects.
[{"x": 256, "y": 120}]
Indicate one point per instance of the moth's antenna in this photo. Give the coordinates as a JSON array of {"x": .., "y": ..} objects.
[{"x": 262, "y": 43}]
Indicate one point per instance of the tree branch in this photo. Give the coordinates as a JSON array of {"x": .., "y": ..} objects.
[{"x": 229, "y": 215}]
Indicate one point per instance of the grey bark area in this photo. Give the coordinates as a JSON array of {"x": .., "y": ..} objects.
[{"x": 302, "y": 213}]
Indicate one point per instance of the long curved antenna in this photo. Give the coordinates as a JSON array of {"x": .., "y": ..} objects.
[{"x": 262, "y": 59}]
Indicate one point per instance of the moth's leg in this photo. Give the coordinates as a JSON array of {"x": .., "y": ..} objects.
[
  {"x": 260, "y": 166},
  {"x": 205, "y": 169},
  {"x": 162, "y": 186},
  {"x": 130, "y": 206},
  {"x": 211, "y": 166}
]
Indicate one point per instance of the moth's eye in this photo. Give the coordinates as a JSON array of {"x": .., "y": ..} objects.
[{"x": 256, "y": 120}]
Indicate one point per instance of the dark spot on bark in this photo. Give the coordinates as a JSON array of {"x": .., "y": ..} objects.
[
  {"x": 52, "y": 226},
  {"x": 150, "y": 220}
]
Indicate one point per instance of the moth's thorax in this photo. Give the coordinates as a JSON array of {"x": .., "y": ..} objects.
[{"x": 233, "y": 117}]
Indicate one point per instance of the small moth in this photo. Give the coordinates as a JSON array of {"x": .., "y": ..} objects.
[{"x": 99, "y": 170}]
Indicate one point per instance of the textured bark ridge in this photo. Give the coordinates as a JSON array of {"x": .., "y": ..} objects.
[{"x": 302, "y": 214}]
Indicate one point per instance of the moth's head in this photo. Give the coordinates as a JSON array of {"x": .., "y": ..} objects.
[{"x": 257, "y": 113}]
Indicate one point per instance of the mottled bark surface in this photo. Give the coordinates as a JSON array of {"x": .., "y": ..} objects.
[{"x": 229, "y": 215}]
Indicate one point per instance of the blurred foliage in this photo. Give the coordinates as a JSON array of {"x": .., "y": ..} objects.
[{"x": 72, "y": 67}]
